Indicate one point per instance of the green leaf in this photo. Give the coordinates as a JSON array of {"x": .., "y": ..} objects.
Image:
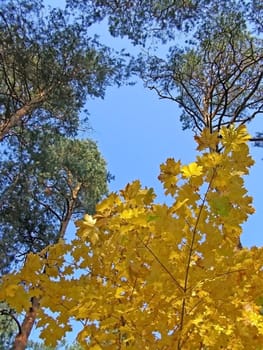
[{"x": 221, "y": 205}]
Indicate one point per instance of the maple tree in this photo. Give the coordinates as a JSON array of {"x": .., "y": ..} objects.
[{"x": 157, "y": 276}]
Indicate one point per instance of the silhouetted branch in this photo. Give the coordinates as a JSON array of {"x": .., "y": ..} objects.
[{"x": 10, "y": 314}]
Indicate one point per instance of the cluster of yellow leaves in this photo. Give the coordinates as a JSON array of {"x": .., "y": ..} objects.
[{"x": 141, "y": 275}]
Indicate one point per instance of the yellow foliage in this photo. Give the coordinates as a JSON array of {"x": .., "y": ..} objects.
[
  {"x": 191, "y": 169},
  {"x": 207, "y": 140},
  {"x": 169, "y": 175},
  {"x": 153, "y": 276}
]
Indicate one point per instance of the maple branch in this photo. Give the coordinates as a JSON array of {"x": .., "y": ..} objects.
[
  {"x": 162, "y": 265},
  {"x": 133, "y": 287},
  {"x": 190, "y": 255}
]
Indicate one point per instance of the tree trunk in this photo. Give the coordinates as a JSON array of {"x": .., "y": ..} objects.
[{"x": 21, "y": 339}]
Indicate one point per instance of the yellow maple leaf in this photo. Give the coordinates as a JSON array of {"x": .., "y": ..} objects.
[
  {"x": 234, "y": 137},
  {"x": 11, "y": 290},
  {"x": 96, "y": 347},
  {"x": 35, "y": 261},
  {"x": 86, "y": 226},
  {"x": 88, "y": 220},
  {"x": 191, "y": 170},
  {"x": 207, "y": 140},
  {"x": 178, "y": 204},
  {"x": 131, "y": 190},
  {"x": 169, "y": 175}
]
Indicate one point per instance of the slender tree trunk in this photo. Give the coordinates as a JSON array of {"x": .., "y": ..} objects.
[{"x": 21, "y": 339}]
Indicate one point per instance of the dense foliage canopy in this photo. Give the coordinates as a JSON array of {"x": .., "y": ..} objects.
[
  {"x": 138, "y": 274},
  {"x": 44, "y": 184},
  {"x": 49, "y": 65}
]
